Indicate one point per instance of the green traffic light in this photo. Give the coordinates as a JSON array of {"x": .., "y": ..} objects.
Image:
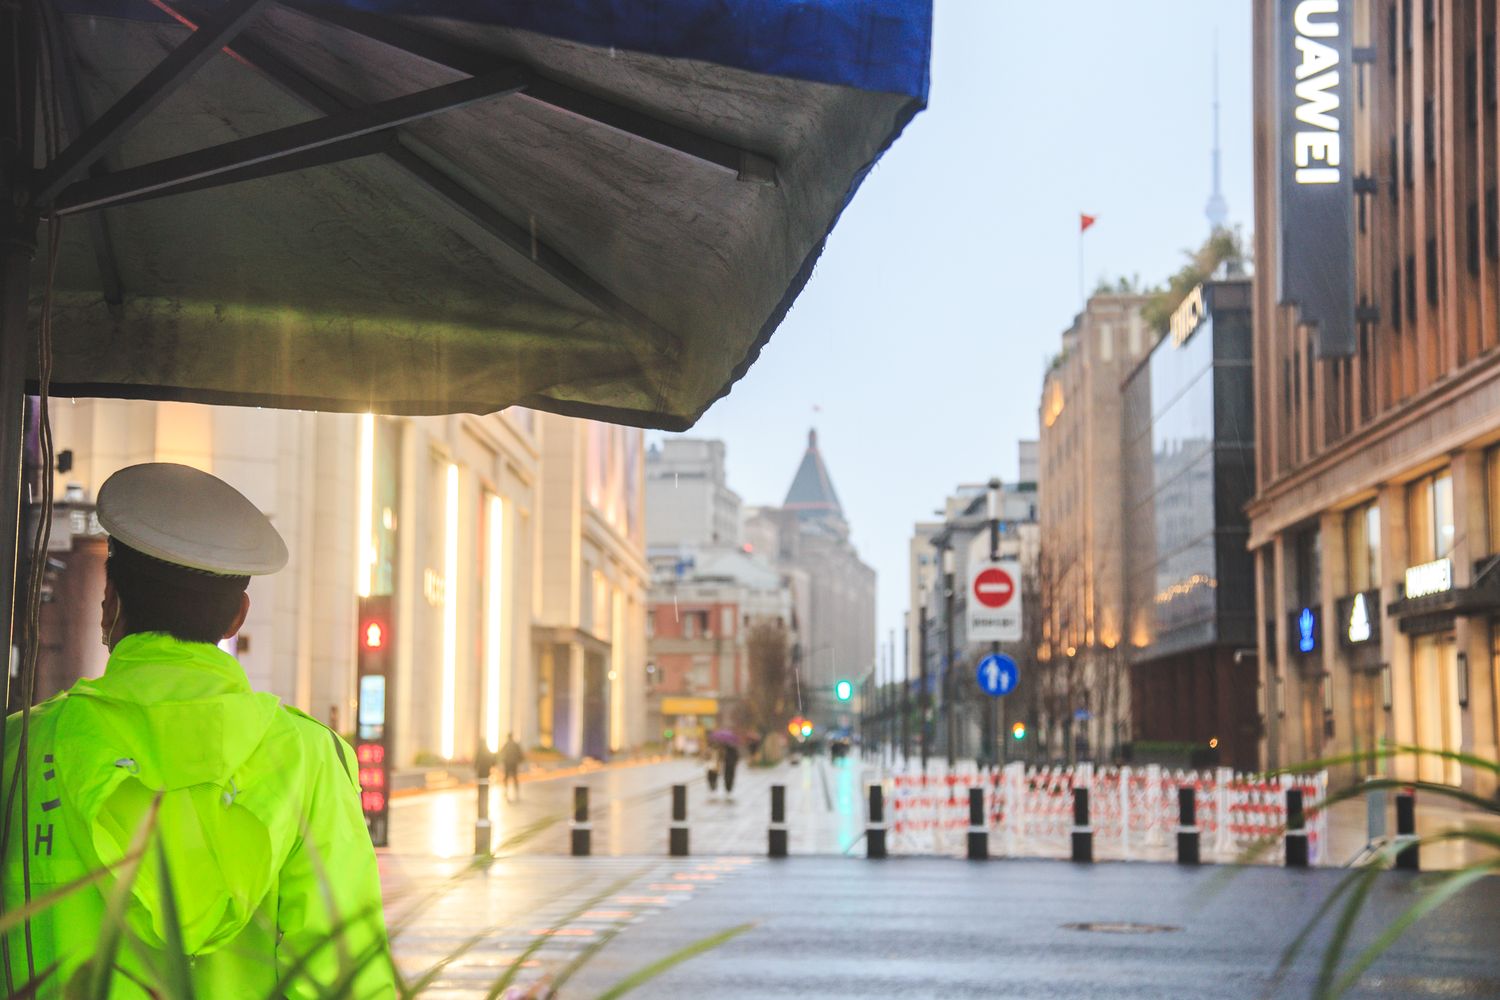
[
  {"x": 1018, "y": 731},
  {"x": 843, "y": 690}
]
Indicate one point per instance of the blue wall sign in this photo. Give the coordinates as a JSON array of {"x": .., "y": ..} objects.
[
  {"x": 1306, "y": 624},
  {"x": 998, "y": 675}
]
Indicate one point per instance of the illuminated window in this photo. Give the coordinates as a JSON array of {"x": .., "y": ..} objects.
[
  {"x": 1362, "y": 542},
  {"x": 1429, "y": 513}
]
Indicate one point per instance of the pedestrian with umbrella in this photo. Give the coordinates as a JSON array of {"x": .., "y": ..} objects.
[{"x": 726, "y": 744}]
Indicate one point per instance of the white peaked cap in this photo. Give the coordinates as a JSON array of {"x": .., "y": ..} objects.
[{"x": 188, "y": 518}]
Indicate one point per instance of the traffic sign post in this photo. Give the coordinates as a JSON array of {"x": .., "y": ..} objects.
[
  {"x": 998, "y": 675},
  {"x": 994, "y": 604}
]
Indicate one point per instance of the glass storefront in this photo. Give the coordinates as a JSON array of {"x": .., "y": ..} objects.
[
  {"x": 1188, "y": 472},
  {"x": 1439, "y": 719}
]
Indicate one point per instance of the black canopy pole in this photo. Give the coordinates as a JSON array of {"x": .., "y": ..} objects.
[{"x": 18, "y": 227}]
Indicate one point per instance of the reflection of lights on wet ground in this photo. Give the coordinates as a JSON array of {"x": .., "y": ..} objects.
[{"x": 445, "y": 829}]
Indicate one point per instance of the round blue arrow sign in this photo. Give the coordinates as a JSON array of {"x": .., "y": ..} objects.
[{"x": 998, "y": 675}]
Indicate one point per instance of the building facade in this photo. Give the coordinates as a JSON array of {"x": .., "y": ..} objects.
[
  {"x": 703, "y": 610},
  {"x": 1188, "y": 451},
  {"x": 442, "y": 515},
  {"x": 1081, "y": 572},
  {"x": 959, "y": 720},
  {"x": 1376, "y": 523},
  {"x": 807, "y": 540},
  {"x": 588, "y": 636},
  {"x": 688, "y": 500},
  {"x": 709, "y": 593}
]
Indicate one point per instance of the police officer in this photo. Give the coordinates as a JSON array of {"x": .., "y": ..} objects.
[{"x": 253, "y": 805}]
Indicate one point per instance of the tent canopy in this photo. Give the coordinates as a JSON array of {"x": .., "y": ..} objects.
[{"x": 596, "y": 207}]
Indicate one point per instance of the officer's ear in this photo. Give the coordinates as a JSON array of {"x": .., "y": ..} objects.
[{"x": 239, "y": 617}]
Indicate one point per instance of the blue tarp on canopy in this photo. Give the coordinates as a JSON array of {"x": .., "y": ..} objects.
[{"x": 880, "y": 45}]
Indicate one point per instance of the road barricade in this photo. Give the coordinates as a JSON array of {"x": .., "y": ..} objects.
[{"x": 1134, "y": 812}]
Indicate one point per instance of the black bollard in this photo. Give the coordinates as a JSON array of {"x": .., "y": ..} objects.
[
  {"x": 1408, "y": 858},
  {"x": 875, "y": 829},
  {"x": 1296, "y": 830},
  {"x": 1083, "y": 833},
  {"x": 677, "y": 835},
  {"x": 582, "y": 829},
  {"x": 1187, "y": 827},
  {"x": 483, "y": 761},
  {"x": 778, "y": 821},
  {"x": 979, "y": 833},
  {"x": 482, "y": 826}
]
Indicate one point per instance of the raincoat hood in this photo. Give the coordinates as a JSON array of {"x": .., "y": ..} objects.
[{"x": 177, "y": 722}]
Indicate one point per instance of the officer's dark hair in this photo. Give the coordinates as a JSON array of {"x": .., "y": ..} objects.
[{"x": 157, "y": 596}]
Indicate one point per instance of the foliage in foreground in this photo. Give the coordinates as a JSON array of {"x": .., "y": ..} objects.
[
  {"x": 1340, "y": 970},
  {"x": 170, "y": 968}
]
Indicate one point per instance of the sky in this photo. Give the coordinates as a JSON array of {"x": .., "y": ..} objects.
[{"x": 922, "y": 336}]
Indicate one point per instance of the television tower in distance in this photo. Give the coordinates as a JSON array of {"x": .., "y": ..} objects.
[{"x": 1217, "y": 208}]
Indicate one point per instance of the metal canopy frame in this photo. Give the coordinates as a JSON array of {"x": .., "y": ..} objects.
[{"x": 439, "y": 178}]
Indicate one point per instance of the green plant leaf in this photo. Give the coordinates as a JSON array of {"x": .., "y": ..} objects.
[
  {"x": 177, "y": 974},
  {"x": 437, "y": 969},
  {"x": 36, "y": 985},
  {"x": 1431, "y": 899},
  {"x": 12, "y": 918},
  {"x": 514, "y": 969},
  {"x": 650, "y": 972},
  {"x": 1334, "y": 953},
  {"x": 101, "y": 967},
  {"x": 1290, "y": 953},
  {"x": 298, "y": 969}
]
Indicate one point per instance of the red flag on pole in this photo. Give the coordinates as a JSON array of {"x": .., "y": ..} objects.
[{"x": 1084, "y": 221}]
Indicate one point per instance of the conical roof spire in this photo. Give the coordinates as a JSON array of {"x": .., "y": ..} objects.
[{"x": 812, "y": 494}]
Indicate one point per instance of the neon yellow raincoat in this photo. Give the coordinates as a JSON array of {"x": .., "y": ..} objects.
[{"x": 259, "y": 817}]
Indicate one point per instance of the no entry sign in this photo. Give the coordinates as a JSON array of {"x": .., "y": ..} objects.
[
  {"x": 994, "y": 587},
  {"x": 994, "y": 605}
]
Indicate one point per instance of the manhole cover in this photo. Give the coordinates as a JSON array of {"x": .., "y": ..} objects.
[{"x": 1121, "y": 927}]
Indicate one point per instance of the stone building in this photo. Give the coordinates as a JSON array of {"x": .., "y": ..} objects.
[
  {"x": 1376, "y": 521},
  {"x": 807, "y": 540},
  {"x": 1081, "y": 572},
  {"x": 510, "y": 546}
]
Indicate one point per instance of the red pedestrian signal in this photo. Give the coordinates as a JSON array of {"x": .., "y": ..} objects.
[{"x": 372, "y": 714}]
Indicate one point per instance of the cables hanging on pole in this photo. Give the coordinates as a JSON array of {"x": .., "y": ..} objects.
[{"x": 25, "y": 36}]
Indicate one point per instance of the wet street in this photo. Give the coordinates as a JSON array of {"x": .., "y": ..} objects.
[
  {"x": 840, "y": 925},
  {"x": 630, "y": 808}
]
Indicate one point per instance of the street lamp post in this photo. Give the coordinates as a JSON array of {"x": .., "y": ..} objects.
[
  {"x": 993, "y": 720},
  {"x": 924, "y": 699},
  {"x": 948, "y": 687}
]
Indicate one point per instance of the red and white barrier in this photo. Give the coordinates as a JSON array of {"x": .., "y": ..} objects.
[{"x": 1134, "y": 811}]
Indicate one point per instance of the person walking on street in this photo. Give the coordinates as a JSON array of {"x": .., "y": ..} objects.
[
  {"x": 731, "y": 761},
  {"x": 711, "y": 757},
  {"x": 511, "y": 759},
  {"x": 250, "y": 806}
]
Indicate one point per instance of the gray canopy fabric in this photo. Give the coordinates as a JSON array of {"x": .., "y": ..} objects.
[{"x": 592, "y": 230}]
